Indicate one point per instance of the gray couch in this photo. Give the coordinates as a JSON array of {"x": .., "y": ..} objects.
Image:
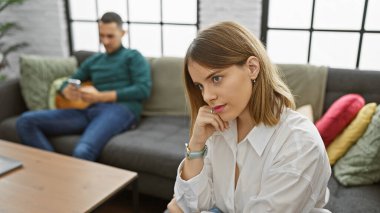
[{"x": 156, "y": 147}]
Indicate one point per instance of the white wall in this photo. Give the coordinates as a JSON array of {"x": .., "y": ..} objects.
[{"x": 44, "y": 28}]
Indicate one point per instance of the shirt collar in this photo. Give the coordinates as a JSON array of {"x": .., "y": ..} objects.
[
  {"x": 258, "y": 137},
  {"x": 116, "y": 51}
]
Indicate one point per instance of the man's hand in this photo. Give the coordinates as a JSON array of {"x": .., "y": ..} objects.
[
  {"x": 90, "y": 94},
  {"x": 71, "y": 93}
]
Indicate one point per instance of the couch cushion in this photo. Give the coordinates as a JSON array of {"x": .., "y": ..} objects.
[
  {"x": 307, "y": 83},
  {"x": 361, "y": 165},
  {"x": 168, "y": 96},
  {"x": 8, "y": 130},
  {"x": 155, "y": 147},
  {"x": 62, "y": 144},
  {"x": 37, "y": 74},
  {"x": 351, "y": 134},
  {"x": 339, "y": 115},
  {"x": 345, "y": 81},
  {"x": 360, "y": 199}
]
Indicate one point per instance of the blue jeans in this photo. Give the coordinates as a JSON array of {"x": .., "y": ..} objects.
[{"x": 98, "y": 123}]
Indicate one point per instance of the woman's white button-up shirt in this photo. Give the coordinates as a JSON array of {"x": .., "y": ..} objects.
[{"x": 283, "y": 168}]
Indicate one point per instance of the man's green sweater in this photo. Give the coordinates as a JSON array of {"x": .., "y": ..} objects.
[{"x": 126, "y": 71}]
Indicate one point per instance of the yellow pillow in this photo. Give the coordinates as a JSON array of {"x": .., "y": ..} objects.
[{"x": 351, "y": 134}]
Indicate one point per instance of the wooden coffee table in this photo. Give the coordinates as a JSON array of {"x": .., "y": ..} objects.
[{"x": 51, "y": 182}]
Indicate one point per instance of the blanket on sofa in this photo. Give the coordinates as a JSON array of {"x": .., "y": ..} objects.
[{"x": 307, "y": 83}]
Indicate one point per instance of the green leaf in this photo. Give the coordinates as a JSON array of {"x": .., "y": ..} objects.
[
  {"x": 6, "y": 27},
  {"x": 13, "y": 48}
]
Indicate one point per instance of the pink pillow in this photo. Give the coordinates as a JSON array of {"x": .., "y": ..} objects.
[{"x": 338, "y": 116}]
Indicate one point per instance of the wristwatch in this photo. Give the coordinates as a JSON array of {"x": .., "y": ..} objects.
[{"x": 198, "y": 154}]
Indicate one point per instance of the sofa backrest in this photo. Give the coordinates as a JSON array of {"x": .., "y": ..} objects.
[
  {"x": 344, "y": 81},
  {"x": 168, "y": 97}
]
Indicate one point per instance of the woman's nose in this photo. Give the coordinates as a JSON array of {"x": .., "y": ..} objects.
[{"x": 209, "y": 95}]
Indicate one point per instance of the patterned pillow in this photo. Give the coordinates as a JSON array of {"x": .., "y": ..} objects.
[
  {"x": 361, "y": 165},
  {"x": 338, "y": 116},
  {"x": 351, "y": 134},
  {"x": 38, "y": 73}
]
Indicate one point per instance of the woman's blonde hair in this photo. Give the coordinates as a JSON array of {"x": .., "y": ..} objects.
[{"x": 226, "y": 44}]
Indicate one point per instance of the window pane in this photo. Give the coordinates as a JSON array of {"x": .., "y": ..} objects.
[
  {"x": 85, "y": 36},
  {"x": 372, "y": 21},
  {"x": 146, "y": 38},
  {"x": 334, "y": 49},
  {"x": 144, "y": 10},
  {"x": 83, "y": 9},
  {"x": 184, "y": 11},
  {"x": 177, "y": 39},
  {"x": 370, "y": 55},
  {"x": 338, "y": 14},
  {"x": 288, "y": 46},
  {"x": 126, "y": 36},
  {"x": 117, "y": 6},
  {"x": 290, "y": 13}
]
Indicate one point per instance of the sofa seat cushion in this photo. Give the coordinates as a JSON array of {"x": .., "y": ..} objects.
[
  {"x": 155, "y": 147},
  {"x": 353, "y": 199},
  {"x": 8, "y": 130},
  {"x": 62, "y": 144}
]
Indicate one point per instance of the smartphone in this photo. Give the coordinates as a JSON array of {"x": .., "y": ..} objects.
[{"x": 75, "y": 82}]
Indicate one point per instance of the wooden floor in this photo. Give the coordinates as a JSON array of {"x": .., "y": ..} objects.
[{"x": 122, "y": 202}]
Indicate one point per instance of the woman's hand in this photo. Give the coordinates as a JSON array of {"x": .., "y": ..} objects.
[{"x": 206, "y": 123}]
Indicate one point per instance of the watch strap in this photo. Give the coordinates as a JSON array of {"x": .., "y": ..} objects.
[{"x": 195, "y": 154}]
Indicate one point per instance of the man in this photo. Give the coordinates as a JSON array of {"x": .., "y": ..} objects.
[{"x": 121, "y": 81}]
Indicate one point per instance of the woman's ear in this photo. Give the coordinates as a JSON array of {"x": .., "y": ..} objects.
[{"x": 253, "y": 66}]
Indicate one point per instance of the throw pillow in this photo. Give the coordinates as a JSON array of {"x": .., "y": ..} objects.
[
  {"x": 37, "y": 75},
  {"x": 361, "y": 165},
  {"x": 168, "y": 96},
  {"x": 306, "y": 111},
  {"x": 338, "y": 116},
  {"x": 351, "y": 134}
]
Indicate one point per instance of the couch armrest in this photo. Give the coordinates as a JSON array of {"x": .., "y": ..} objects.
[{"x": 11, "y": 100}]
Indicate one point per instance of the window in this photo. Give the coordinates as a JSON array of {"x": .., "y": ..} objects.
[
  {"x": 336, "y": 33},
  {"x": 155, "y": 27}
]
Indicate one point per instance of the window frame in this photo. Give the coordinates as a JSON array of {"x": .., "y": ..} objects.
[
  {"x": 265, "y": 28},
  {"x": 70, "y": 21}
]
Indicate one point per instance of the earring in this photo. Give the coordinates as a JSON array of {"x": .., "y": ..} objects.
[{"x": 253, "y": 81}]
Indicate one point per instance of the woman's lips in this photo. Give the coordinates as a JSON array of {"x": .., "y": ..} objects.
[{"x": 219, "y": 108}]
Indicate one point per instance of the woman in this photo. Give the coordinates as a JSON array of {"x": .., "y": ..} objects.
[{"x": 248, "y": 150}]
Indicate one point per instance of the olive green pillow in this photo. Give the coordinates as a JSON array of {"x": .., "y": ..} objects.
[
  {"x": 361, "y": 164},
  {"x": 168, "y": 96},
  {"x": 38, "y": 73}
]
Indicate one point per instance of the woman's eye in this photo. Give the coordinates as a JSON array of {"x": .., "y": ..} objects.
[{"x": 216, "y": 79}]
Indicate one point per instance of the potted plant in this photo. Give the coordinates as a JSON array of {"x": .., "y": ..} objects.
[{"x": 6, "y": 28}]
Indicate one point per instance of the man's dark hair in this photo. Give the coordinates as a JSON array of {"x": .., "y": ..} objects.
[{"x": 110, "y": 17}]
